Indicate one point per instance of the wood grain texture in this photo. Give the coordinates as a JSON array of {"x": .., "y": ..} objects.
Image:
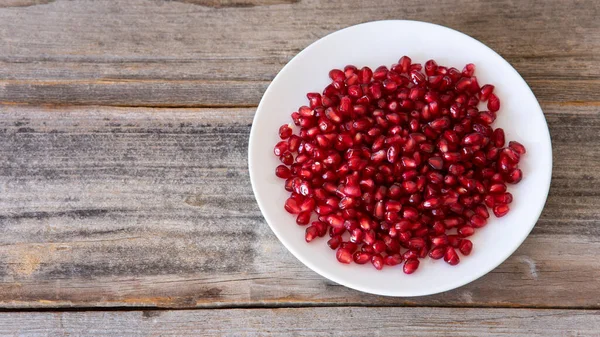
[
  {"x": 319, "y": 322},
  {"x": 202, "y": 53},
  {"x": 107, "y": 207}
]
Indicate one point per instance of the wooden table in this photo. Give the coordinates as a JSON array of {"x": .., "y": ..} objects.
[{"x": 124, "y": 188}]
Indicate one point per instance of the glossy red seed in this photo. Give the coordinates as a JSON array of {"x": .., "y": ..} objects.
[
  {"x": 311, "y": 233},
  {"x": 468, "y": 70},
  {"x": 514, "y": 176},
  {"x": 465, "y": 247},
  {"x": 518, "y": 147},
  {"x": 497, "y": 188},
  {"x": 504, "y": 198},
  {"x": 361, "y": 257},
  {"x": 437, "y": 253},
  {"x": 291, "y": 205},
  {"x": 498, "y": 137},
  {"x": 303, "y": 218},
  {"x": 477, "y": 221},
  {"x": 334, "y": 242},
  {"x": 377, "y": 261},
  {"x": 285, "y": 131},
  {"x": 393, "y": 260},
  {"x": 438, "y": 241},
  {"x": 436, "y": 162},
  {"x": 430, "y": 67},
  {"x": 493, "y": 103},
  {"x": 500, "y": 210},
  {"x": 465, "y": 231},
  {"x": 410, "y": 266},
  {"x": 451, "y": 257},
  {"x": 344, "y": 255},
  {"x": 454, "y": 241},
  {"x": 283, "y": 172},
  {"x": 485, "y": 92}
]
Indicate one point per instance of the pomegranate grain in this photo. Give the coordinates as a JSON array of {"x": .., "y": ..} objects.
[{"x": 390, "y": 160}]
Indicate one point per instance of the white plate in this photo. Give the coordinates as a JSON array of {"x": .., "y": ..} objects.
[{"x": 383, "y": 43}]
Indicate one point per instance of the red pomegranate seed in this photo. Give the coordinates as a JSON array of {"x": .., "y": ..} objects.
[
  {"x": 311, "y": 233},
  {"x": 478, "y": 221},
  {"x": 393, "y": 260},
  {"x": 430, "y": 67},
  {"x": 514, "y": 176},
  {"x": 283, "y": 172},
  {"x": 334, "y": 242},
  {"x": 518, "y": 147},
  {"x": 361, "y": 257},
  {"x": 410, "y": 266},
  {"x": 504, "y": 198},
  {"x": 344, "y": 255},
  {"x": 303, "y": 218},
  {"x": 438, "y": 241},
  {"x": 451, "y": 257},
  {"x": 291, "y": 205},
  {"x": 485, "y": 92},
  {"x": 350, "y": 246},
  {"x": 497, "y": 188},
  {"x": 500, "y": 210},
  {"x": 468, "y": 70},
  {"x": 437, "y": 253},
  {"x": 465, "y": 231},
  {"x": 465, "y": 247},
  {"x": 493, "y": 103},
  {"x": 377, "y": 261}
]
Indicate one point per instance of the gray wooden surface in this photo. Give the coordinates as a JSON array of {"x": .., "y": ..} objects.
[
  {"x": 316, "y": 322},
  {"x": 123, "y": 172}
]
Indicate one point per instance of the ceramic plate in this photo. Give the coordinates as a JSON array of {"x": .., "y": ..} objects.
[{"x": 383, "y": 43}]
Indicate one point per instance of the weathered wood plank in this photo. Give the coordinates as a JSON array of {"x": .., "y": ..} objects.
[
  {"x": 211, "y": 53},
  {"x": 153, "y": 207},
  {"x": 350, "y": 321}
]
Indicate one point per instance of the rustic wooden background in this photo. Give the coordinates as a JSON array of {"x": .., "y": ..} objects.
[{"x": 124, "y": 188}]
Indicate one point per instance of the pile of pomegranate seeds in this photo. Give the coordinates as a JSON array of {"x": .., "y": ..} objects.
[{"x": 398, "y": 164}]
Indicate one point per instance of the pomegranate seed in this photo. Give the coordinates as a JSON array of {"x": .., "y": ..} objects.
[
  {"x": 377, "y": 261},
  {"x": 410, "y": 266},
  {"x": 344, "y": 255},
  {"x": 430, "y": 67},
  {"x": 514, "y": 176},
  {"x": 493, "y": 103},
  {"x": 518, "y": 147},
  {"x": 437, "y": 253},
  {"x": 350, "y": 246},
  {"x": 497, "y": 188},
  {"x": 465, "y": 247},
  {"x": 291, "y": 205},
  {"x": 283, "y": 172},
  {"x": 334, "y": 242},
  {"x": 303, "y": 218},
  {"x": 438, "y": 241},
  {"x": 505, "y": 198},
  {"x": 478, "y": 221},
  {"x": 500, "y": 210},
  {"x": 465, "y": 231},
  {"x": 485, "y": 92},
  {"x": 392, "y": 260},
  {"x": 451, "y": 257},
  {"x": 468, "y": 70},
  {"x": 361, "y": 257}
]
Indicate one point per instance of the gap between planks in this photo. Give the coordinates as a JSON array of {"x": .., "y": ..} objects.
[
  {"x": 228, "y": 106},
  {"x": 306, "y": 305}
]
